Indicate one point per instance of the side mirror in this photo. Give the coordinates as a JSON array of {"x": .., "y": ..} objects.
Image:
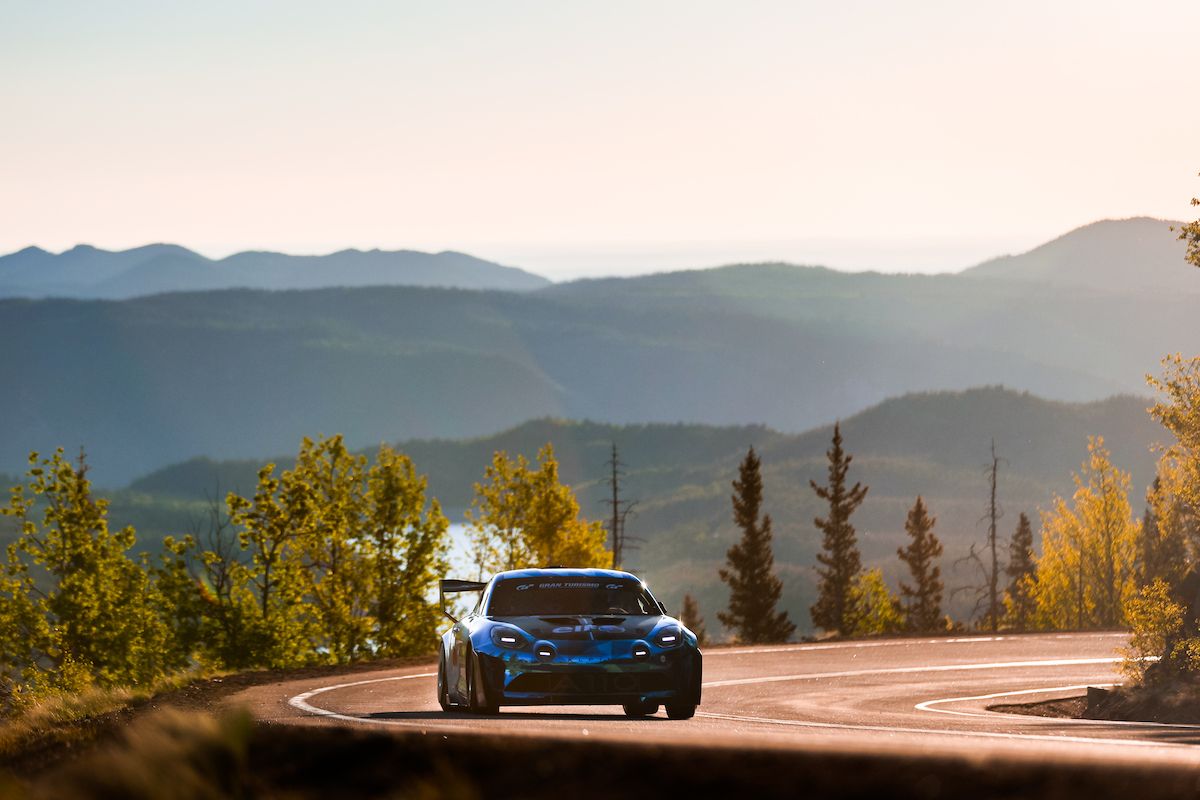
[{"x": 451, "y": 586}]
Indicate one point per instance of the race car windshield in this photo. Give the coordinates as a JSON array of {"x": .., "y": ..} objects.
[{"x": 519, "y": 597}]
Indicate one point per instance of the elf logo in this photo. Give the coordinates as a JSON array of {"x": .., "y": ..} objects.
[{"x": 600, "y": 683}]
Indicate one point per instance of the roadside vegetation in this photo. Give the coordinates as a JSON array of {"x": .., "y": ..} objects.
[{"x": 330, "y": 562}]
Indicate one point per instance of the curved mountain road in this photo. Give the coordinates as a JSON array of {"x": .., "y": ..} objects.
[{"x": 901, "y": 696}]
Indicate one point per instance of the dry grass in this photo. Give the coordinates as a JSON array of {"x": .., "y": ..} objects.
[
  {"x": 167, "y": 754},
  {"x": 58, "y": 726}
]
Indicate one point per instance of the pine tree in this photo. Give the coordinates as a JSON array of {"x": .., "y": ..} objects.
[
  {"x": 834, "y": 609},
  {"x": 1022, "y": 574},
  {"x": 923, "y": 599},
  {"x": 689, "y": 615},
  {"x": 754, "y": 590},
  {"x": 1162, "y": 543}
]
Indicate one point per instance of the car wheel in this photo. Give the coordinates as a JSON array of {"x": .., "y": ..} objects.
[
  {"x": 642, "y": 708},
  {"x": 681, "y": 710},
  {"x": 443, "y": 690},
  {"x": 477, "y": 690}
]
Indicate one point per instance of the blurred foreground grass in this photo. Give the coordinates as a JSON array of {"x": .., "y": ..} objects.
[{"x": 60, "y": 724}]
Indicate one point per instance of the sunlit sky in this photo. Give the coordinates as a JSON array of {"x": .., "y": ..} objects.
[{"x": 596, "y": 137}]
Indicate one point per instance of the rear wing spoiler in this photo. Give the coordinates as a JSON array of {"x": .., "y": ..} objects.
[{"x": 452, "y": 586}]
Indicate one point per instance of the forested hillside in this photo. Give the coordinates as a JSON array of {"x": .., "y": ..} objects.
[
  {"x": 934, "y": 444},
  {"x": 235, "y": 374}
]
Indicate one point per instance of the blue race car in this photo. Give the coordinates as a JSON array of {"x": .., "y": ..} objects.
[{"x": 567, "y": 637}]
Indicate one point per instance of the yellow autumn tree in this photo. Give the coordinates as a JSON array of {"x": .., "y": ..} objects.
[
  {"x": 525, "y": 517},
  {"x": 407, "y": 542},
  {"x": 76, "y": 607},
  {"x": 338, "y": 557},
  {"x": 1178, "y": 410},
  {"x": 1190, "y": 233},
  {"x": 876, "y": 609},
  {"x": 1087, "y": 573}
]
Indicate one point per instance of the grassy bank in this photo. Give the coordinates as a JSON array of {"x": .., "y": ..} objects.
[{"x": 55, "y": 732}]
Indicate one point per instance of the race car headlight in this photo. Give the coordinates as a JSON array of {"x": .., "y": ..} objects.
[
  {"x": 509, "y": 638},
  {"x": 669, "y": 637}
]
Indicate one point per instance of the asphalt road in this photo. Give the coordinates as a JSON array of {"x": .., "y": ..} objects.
[{"x": 904, "y": 696}]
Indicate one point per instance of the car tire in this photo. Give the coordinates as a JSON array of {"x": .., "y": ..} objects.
[
  {"x": 642, "y": 708},
  {"x": 480, "y": 703},
  {"x": 681, "y": 710},
  {"x": 442, "y": 689}
]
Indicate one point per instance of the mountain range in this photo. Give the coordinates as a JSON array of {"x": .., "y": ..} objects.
[
  {"x": 91, "y": 273},
  {"x": 149, "y": 381}
]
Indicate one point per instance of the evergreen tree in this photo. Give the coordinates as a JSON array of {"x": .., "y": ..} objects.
[
  {"x": 839, "y": 558},
  {"x": 689, "y": 615},
  {"x": 1178, "y": 410},
  {"x": 754, "y": 590},
  {"x": 1162, "y": 543},
  {"x": 1022, "y": 576},
  {"x": 1148, "y": 541},
  {"x": 923, "y": 599}
]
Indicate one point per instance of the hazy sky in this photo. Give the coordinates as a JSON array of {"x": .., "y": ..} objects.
[{"x": 579, "y": 137}]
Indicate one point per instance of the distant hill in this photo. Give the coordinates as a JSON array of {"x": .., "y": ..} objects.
[
  {"x": 934, "y": 444},
  {"x": 150, "y": 381},
  {"x": 88, "y": 272},
  {"x": 1128, "y": 255}
]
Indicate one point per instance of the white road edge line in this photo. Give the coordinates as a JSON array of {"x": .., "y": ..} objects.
[
  {"x": 1059, "y": 662},
  {"x": 792, "y": 648},
  {"x": 300, "y": 701},
  {"x": 928, "y": 705}
]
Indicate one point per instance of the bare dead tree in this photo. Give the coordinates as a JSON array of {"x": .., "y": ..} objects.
[
  {"x": 986, "y": 560},
  {"x": 220, "y": 547},
  {"x": 619, "y": 511}
]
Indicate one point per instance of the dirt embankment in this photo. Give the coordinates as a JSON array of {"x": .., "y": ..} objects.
[{"x": 1176, "y": 703}]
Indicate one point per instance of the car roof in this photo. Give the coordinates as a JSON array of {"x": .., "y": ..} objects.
[{"x": 564, "y": 572}]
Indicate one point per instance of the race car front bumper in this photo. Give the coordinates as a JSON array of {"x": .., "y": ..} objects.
[{"x": 592, "y": 676}]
